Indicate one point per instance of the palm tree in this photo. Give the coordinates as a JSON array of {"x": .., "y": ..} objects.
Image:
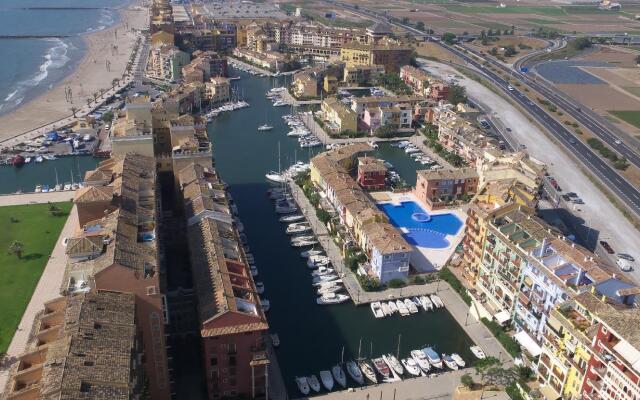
[
  {"x": 114, "y": 82},
  {"x": 95, "y": 96},
  {"x": 73, "y": 110},
  {"x": 17, "y": 248}
]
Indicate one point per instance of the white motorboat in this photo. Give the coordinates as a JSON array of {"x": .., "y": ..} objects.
[
  {"x": 318, "y": 263},
  {"x": 433, "y": 357},
  {"x": 325, "y": 278},
  {"x": 411, "y": 366},
  {"x": 318, "y": 258},
  {"x": 39, "y": 159},
  {"x": 456, "y": 357},
  {"x": 393, "y": 362},
  {"x": 393, "y": 307},
  {"x": 338, "y": 375},
  {"x": 286, "y": 208},
  {"x": 450, "y": 362},
  {"x": 327, "y": 283},
  {"x": 297, "y": 228},
  {"x": 385, "y": 309},
  {"x": 382, "y": 367},
  {"x": 314, "y": 383},
  {"x": 422, "y": 360},
  {"x": 327, "y": 379},
  {"x": 27, "y": 160},
  {"x": 402, "y": 308},
  {"x": 259, "y": 287},
  {"x": 254, "y": 270},
  {"x": 478, "y": 352},
  {"x": 304, "y": 243},
  {"x": 354, "y": 372},
  {"x": 292, "y": 218},
  {"x": 332, "y": 298},
  {"x": 410, "y": 306},
  {"x": 376, "y": 308},
  {"x": 426, "y": 303},
  {"x": 303, "y": 385},
  {"x": 312, "y": 252},
  {"x": 275, "y": 340},
  {"x": 323, "y": 271},
  {"x": 368, "y": 371},
  {"x": 328, "y": 289},
  {"x": 275, "y": 177},
  {"x": 266, "y": 305},
  {"x": 38, "y": 189},
  {"x": 437, "y": 302}
]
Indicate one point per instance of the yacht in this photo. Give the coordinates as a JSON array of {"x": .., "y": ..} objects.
[
  {"x": 420, "y": 359},
  {"x": 456, "y": 357},
  {"x": 382, "y": 367},
  {"x": 325, "y": 278},
  {"x": 437, "y": 302},
  {"x": 322, "y": 290},
  {"x": 411, "y": 366},
  {"x": 297, "y": 228},
  {"x": 450, "y": 362},
  {"x": 314, "y": 383},
  {"x": 338, "y": 375},
  {"x": 304, "y": 243},
  {"x": 327, "y": 379},
  {"x": 426, "y": 303},
  {"x": 38, "y": 188},
  {"x": 393, "y": 362},
  {"x": 265, "y": 127},
  {"x": 315, "y": 263},
  {"x": 385, "y": 309},
  {"x": 254, "y": 270},
  {"x": 376, "y": 308},
  {"x": 478, "y": 352},
  {"x": 303, "y": 385},
  {"x": 354, "y": 372},
  {"x": 323, "y": 271},
  {"x": 27, "y": 160},
  {"x": 402, "y": 308},
  {"x": 286, "y": 208},
  {"x": 368, "y": 371},
  {"x": 266, "y": 305},
  {"x": 292, "y": 218},
  {"x": 433, "y": 357},
  {"x": 327, "y": 283},
  {"x": 393, "y": 307},
  {"x": 312, "y": 252},
  {"x": 275, "y": 177},
  {"x": 259, "y": 287},
  {"x": 332, "y": 298},
  {"x": 410, "y": 306}
]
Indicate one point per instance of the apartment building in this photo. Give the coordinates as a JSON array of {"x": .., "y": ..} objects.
[
  {"x": 396, "y": 117},
  {"x": 217, "y": 90},
  {"x": 232, "y": 323},
  {"x": 84, "y": 345},
  {"x": 415, "y": 78},
  {"x": 270, "y": 60},
  {"x": 190, "y": 144},
  {"x": 360, "y": 104},
  {"x": 362, "y": 75},
  {"x": 391, "y": 56},
  {"x": 204, "y": 66},
  {"x": 304, "y": 35},
  {"x": 133, "y": 132},
  {"x": 436, "y": 188},
  {"x": 371, "y": 173},
  {"x": 388, "y": 252},
  {"x": 115, "y": 248},
  {"x": 308, "y": 83},
  {"x": 338, "y": 117},
  {"x": 166, "y": 62}
]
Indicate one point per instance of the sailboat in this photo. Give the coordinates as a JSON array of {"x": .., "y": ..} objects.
[
  {"x": 265, "y": 127},
  {"x": 274, "y": 176}
]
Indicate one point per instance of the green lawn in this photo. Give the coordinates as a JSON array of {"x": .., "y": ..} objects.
[
  {"x": 631, "y": 117},
  {"x": 37, "y": 230}
]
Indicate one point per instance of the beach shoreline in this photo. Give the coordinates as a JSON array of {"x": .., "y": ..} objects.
[{"x": 88, "y": 75}]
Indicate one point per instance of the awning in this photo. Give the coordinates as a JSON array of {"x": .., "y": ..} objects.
[
  {"x": 549, "y": 392},
  {"x": 502, "y": 317},
  {"x": 529, "y": 344}
]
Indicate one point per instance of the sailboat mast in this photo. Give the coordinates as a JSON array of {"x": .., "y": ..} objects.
[
  {"x": 371, "y": 350},
  {"x": 359, "y": 347},
  {"x": 398, "y": 350},
  {"x": 342, "y": 357}
]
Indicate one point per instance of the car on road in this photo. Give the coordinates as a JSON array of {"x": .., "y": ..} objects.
[
  {"x": 508, "y": 129},
  {"x": 572, "y": 141},
  {"x": 511, "y": 89},
  {"x": 624, "y": 264},
  {"x": 627, "y": 257},
  {"x": 577, "y": 201},
  {"x": 605, "y": 245},
  {"x": 617, "y": 141}
]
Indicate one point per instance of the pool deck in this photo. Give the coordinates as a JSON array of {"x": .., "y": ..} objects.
[{"x": 427, "y": 259}]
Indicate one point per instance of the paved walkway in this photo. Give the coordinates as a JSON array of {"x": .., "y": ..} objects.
[
  {"x": 48, "y": 288},
  {"x": 35, "y": 198}
]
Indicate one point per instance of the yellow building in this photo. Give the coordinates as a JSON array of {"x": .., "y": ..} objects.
[
  {"x": 330, "y": 84},
  {"x": 338, "y": 117},
  {"x": 390, "y": 56},
  {"x": 217, "y": 90}
]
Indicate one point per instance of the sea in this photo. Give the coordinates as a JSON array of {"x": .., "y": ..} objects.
[{"x": 31, "y": 66}]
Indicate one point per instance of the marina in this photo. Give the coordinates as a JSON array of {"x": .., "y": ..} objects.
[{"x": 287, "y": 280}]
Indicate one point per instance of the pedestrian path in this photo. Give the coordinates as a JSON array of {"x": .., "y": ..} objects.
[{"x": 35, "y": 198}]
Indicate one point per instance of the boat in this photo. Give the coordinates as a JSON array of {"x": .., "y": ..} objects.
[
  {"x": 323, "y": 271},
  {"x": 314, "y": 383},
  {"x": 275, "y": 177},
  {"x": 411, "y": 366},
  {"x": 437, "y": 301},
  {"x": 266, "y": 305},
  {"x": 259, "y": 287},
  {"x": 324, "y": 278},
  {"x": 326, "y": 284},
  {"x": 297, "y": 228},
  {"x": 38, "y": 189},
  {"x": 354, "y": 372},
  {"x": 27, "y": 160},
  {"x": 410, "y": 306},
  {"x": 338, "y": 375},
  {"x": 368, "y": 371},
  {"x": 393, "y": 362},
  {"x": 433, "y": 357},
  {"x": 328, "y": 289},
  {"x": 286, "y": 208},
  {"x": 402, "y": 308},
  {"x": 478, "y": 352},
  {"x": 327, "y": 379},
  {"x": 292, "y": 218},
  {"x": 332, "y": 298},
  {"x": 382, "y": 367},
  {"x": 385, "y": 309},
  {"x": 254, "y": 270},
  {"x": 393, "y": 307},
  {"x": 456, "y": 357},
  {"x": 376, "y": 308},
  {"x": 416, "y": 301},
  {"x": 311, "y": 263},
  {"x": 426, "y": 303},
  {"x": 311, "y": 252},
  {"x": 304, "y": 243},
  {"x": 265, "y": 127},
  {"x": 17, "y": 160},
  {"x": 450, "y": 362},
  {"x": 421, "y": 359},
  {"x": 275, "y": 340},
  {"x": 303, "y": 385},
  {"x": 39, "y": 159}
]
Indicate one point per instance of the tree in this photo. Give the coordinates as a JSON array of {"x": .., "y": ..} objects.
[
  {"x": 457, "y": 94},
  {"x": 449, "y": 38},
  {"x": 513, "y": 29},
  {"x": 107, "y": 117},
  {"x": 73, "y": 111},
  {"x": 420, "y": 25},
  {"x": 510, "y": 50},
  {"x": 490, "y": 32},
  {"x": 405, "y": 20},
  {"x": 580, "y": 43},
  {"x": 55, "y": 210},
  {"x": 16, "y": 247},
  {"x": 467, "y": 381}
]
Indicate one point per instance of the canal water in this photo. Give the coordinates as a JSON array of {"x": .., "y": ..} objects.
[
  {"x": 26, "y": 178},
  {"x": 312, "y": 336}
]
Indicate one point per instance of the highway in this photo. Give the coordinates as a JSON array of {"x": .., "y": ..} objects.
[{"x": 624, "y": 190}]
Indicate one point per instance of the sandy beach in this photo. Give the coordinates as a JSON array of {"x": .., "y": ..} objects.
[{"x": 90, "y": 75}]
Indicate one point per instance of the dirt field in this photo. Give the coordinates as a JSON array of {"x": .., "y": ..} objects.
[
  {"x": 600, "y": 97},
  {"x": 432, "y": 50},
  {"x": 621, "y": 57}
]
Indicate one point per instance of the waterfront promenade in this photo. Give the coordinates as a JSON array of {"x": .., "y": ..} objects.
[
  {"x": 48, "y": 288},
  {"x": 453, "y": 302},
  {"x": 35, "y": 198}
]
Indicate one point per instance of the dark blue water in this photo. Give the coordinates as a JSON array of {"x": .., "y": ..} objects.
[
  {"x": 28, "y": 176},
  {"x": 37, "y": 64}
]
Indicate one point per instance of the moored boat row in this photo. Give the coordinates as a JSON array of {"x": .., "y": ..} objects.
[{"x": 407, "y": 306}]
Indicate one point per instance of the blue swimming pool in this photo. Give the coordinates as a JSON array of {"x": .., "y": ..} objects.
[{"x": 422, "y": 229}]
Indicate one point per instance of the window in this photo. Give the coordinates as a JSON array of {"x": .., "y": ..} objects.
[
  {"x": 232, "y": 360},
  {"x": 85, "y": 387},
  {"x": 213, "y": 361},
  {"x": 88, "y": 363}
]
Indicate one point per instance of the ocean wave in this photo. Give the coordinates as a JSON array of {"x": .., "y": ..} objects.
[
  {"x": 11, "y": 95},
  {"x": 106, "y": 17}
]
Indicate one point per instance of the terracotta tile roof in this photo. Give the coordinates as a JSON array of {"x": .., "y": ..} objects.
[
  {"x": 87, "y": 245},
  {"x": 94, "y": 193},
  {"x": 386, "y": 238},
  {"x": 370, "y": 164},
  {"x": 446, "y": 174}
]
